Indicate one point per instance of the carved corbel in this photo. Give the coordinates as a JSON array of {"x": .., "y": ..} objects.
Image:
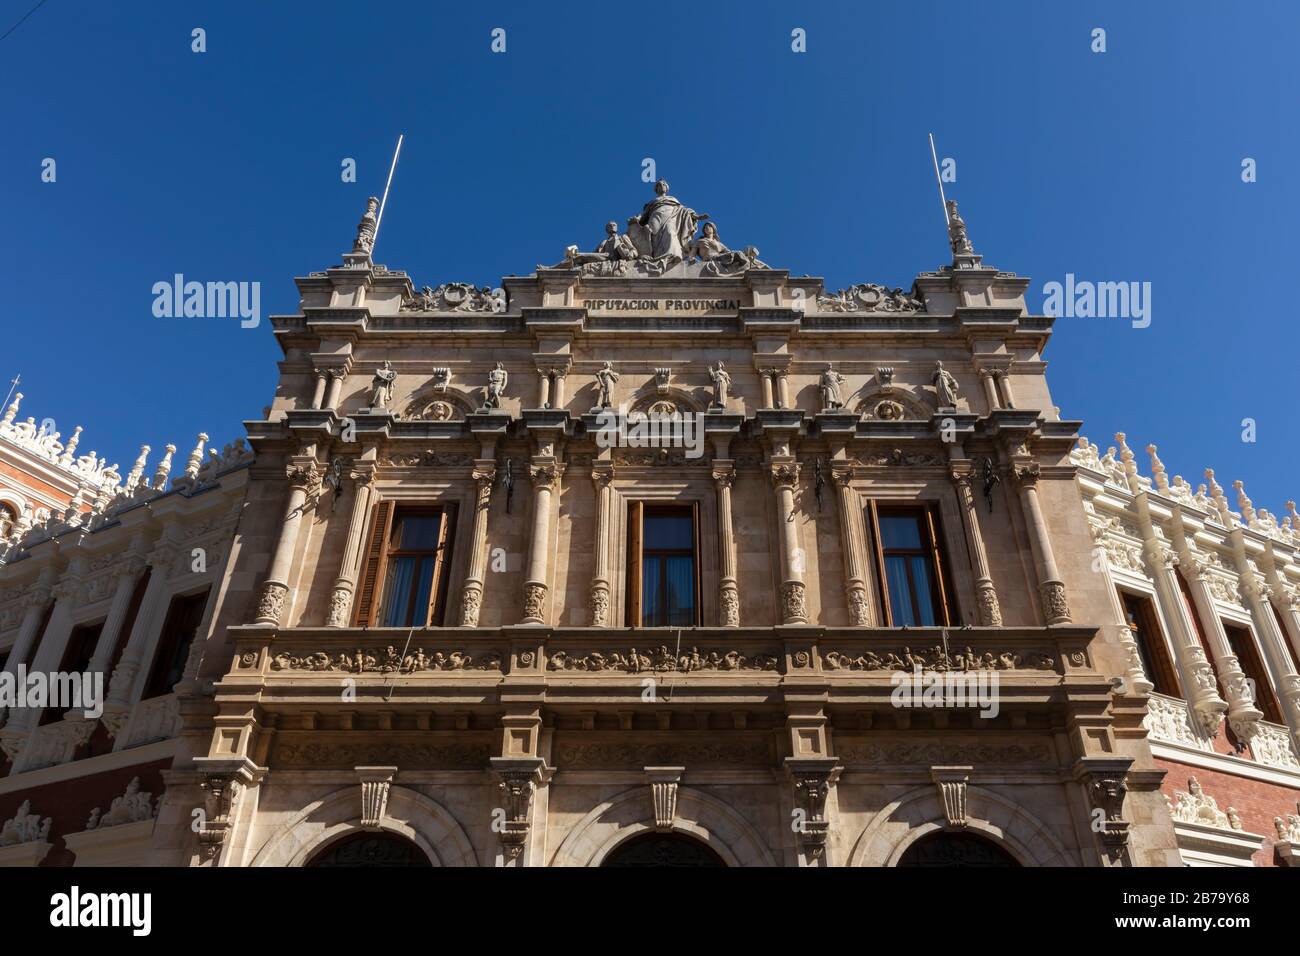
[
  {"x": 952, "y": 783},
  {"x": 375, "y": 785},
  {"x": 519, "y": 778},
  {"x": 1106, "y": 782},
  {"x": 223, "y": 784},
  {"x": 812, "y": 779},
  {"x": 663, "y": 783}
]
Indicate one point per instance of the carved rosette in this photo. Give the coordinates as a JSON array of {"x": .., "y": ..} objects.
[
  {"x": 1055, "y": 605},
  {"x": 990, "y": 610},
  {"x": 340, "y": 606},
  {"x": 471, "y": 602},
  {"x": 271, "y": 604},
  {"x": 729, "y": 604},
  {"x": 534, "y": 602},
  {"x": 793, "y": 607}
]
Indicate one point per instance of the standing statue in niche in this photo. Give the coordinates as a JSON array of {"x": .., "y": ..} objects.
[
  {"x": 832, "y": 397},
  {"x": 957, "y": 232},
  {"x": 721, "y": 386},
  {"x": 945, "y": 386},
  {"x": 381, "y": 386},
  {"x": 496, "y": 386},
  {"x": 669, "y": 226},
  {"x": 605, "y": 381}
]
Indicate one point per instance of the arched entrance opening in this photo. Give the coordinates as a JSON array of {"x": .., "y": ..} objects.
[
  {"x": 662, "y": 849},
  {"x": 955, "y": 850},
  {"x": 365, "y": 849}
]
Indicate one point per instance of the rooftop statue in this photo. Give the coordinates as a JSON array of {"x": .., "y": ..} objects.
[{"x": 961, "y": 245}]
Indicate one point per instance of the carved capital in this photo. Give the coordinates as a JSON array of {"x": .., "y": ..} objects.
[
  {"x": 785, "y": 475},
  {"x": 544, "y": 477}
]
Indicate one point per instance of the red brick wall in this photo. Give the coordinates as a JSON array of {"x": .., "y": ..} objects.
[
  {"x": 1256, "y": 802},
  {"x": 69, "y": 802}
]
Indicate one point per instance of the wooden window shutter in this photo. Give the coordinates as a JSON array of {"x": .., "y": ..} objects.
[
  {"x": 381, "y": 522},
  {"x": 882, "y": 583},
  {"x": 441, "y": 566},
  {"x": 938, "y": 566},
  {"x": 635, "y": 512}
]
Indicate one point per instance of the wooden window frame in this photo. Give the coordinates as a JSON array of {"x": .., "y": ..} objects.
[
  {"x": 941, "y": 582},
  {"x": 1252, "y": 664},
  {"x": 379, "y": 556},
  {"x": 634, "y": 613},
  {"x": 1153, "y": 649},
  {"x": 165, "y": 647}
]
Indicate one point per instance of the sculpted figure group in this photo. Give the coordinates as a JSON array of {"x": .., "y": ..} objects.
[{"x": 659, "y": 239}]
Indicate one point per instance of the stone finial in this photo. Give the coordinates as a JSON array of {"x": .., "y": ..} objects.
[
  {"x": 137, "y": 470},
  {"x": 164, "y": 468},
  {"x": 1219, "y": 501},
  {"x": 196, "y": 458},
  {"x": 12, "y": 411},
  {"x": 67, "y": 458},
  {"x": 365, "y": 240},
  {"x": 1158, "y": 471},
  {"x": 1129, "y": 465},
  {"x": 1244, "y": 503}
]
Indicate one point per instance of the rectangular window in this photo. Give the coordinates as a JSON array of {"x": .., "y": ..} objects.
[
  {"x": 1242, "y": 642},
  {"x": 663, "y": 583},
  {"x": 416, "y": 567},
  {"x": 180, "y": 628},
  {"x": 910, "y": 569},
  {"x": 1140, "y": 614},
  {"x": 76, "y": 660}
]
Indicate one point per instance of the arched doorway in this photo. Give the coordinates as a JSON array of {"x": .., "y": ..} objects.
[
  {"x": 662, "y": 849},
  {"x": 955, "y": 849},
  {"x": 367, "y": 849}
]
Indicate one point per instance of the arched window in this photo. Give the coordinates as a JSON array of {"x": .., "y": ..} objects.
[
  {"x": 662, "y": 849},
  {"x": 8, "y": 518},
  {"x": 955, "y": 849},
  {"x": 370, "y": 849}
]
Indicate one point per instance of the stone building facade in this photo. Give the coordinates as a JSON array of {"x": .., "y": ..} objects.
[{"x": 663, "y": 555}]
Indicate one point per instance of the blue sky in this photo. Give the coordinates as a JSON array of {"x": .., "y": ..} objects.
[{"x": 225, "y": 165}]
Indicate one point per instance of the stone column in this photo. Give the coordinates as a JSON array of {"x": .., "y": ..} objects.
[
  {"x": 724, "y": 473},
  {"x": 1003, "y": 376},
  {"x": 34, "y": 604},
  {"x": 341, "y": 596},
  {"x": 990, "y": 389},
  {"x": 557, "y": 400},
  {"x": 1051, "y": 589},
  {"x": 127, "y": 575},
  {"x": 318, "y": 394},
  {"x": 543, "y": 388},
  {"x": 601, "y": 476},
  {"x": 303, "y": 480},
  {"x": 785, "y": 476},
  {"x": 545, "y": 477},
  {"x": 336, "y": 375},
  {"x": 765, "y": 377},
  {"x": 471, "y": 601},
  {"x": 782, "y": 388},
  {"x": 857, "y": 592},
  {"x": 986, "y": 596}
]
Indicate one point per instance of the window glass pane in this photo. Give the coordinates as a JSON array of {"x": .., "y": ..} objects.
[
  {"x": 651, "y": 593},
  {"x": 900, "y": 531},
  {"x": 669, "y": 532},
  {"x": 921, "y": 582},
  {"x": 417, "y": 532},
  {"x": 681, "y": 591},
  {"x": 900, "y": 596},
  {"x": 423, "y": 590},
  {"x": 397, "y": 592}
]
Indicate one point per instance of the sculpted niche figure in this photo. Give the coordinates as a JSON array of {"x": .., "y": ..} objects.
[
  {"x": 945, "y": 386},
  {"x": 721, "y": 385},
  {"x": 957, "y": 231},
  {"x": 605, "y": 380},
  {"x": 669, "y": 225},
  {"x": 365, "y": 240},
  {"x": 832, "y": 398},
  {"x": 381, "y": 387},
  {"x": 496, "y": 386}
]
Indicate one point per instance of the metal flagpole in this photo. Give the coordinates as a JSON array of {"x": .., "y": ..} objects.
[
  {"x": 384, "y": 202},
  {"x": 943, "y": 200}
]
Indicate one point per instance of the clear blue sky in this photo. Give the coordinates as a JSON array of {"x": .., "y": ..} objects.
[{"x": 226, "y": 166}]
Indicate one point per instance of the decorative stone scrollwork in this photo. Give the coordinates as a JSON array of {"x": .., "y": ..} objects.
[
  {"x": 794, "y": 610},
  {"x": 133, "y": 806},
  {"x": 456, "y": 297},
  {"x": 271, "y": 604},
  {"x": 339, "y": 607},
  {"x": 534, "y": 601},
  {"x": 729, "y": 603},
  {"x": 660, "y": 659},
  {"x": 599, "y": 604},
  {"x": 938, "y": 659},
  {"x": 869, "y": 297},
  {"x": 387, "y": 661},
  {"x": 989, "y": 609},
  {"x": 221, "y": 794}
]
